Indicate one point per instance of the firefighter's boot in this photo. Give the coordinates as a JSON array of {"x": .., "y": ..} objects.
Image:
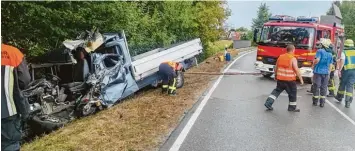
[
  {"x": 172, "y": 92},
  {"x": 311, "y": 90},
  {"x": 164, "y": 89},
  {"x": 347, "y": 104},
  {"x": 331, "y": 94},
  {"x": 321, "y": 102},
  {"x": 268, "y": 103},
  {"x": 331, "y": 88},
  {"x": 294, "y": 110},
  {"x": 292, "y": 106},
  {"x": 339, "y": 98},
  {"x": 348, "y": 101},
  {"x": 315, "y": 100}
]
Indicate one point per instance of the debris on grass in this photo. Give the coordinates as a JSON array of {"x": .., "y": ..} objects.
[{"x": 142, "y": 122}]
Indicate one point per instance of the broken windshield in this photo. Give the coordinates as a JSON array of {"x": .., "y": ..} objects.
[{"x": 280, "y": 36}]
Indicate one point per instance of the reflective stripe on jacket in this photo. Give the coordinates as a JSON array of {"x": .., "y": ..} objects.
[
  {"x": 15, "y": 77},
  {"x": 284, "y": 68},
  {"x": 349, "y": 59}
]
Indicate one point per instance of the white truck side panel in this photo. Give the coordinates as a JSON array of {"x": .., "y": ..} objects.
[{"x": 149, "y": 65}]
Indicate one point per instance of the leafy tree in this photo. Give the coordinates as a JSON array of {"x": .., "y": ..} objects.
[
  {"x": 348, "y": 12},
  {"x": 246, "y": 34},
  {"x": 243, "y": 29},
  {"x": 347, "y": 9},
  {"x": 262, "y": 17},
  {"x": 249, "y": 35},
  {"x": 38, "y": 27}
]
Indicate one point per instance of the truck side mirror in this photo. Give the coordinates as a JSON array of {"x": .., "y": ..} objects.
[{"x": 255, "y": 37}]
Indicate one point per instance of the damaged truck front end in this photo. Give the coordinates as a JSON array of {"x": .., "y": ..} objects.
[
  {"x": 96, "y": 73},
  {"x": 106, "y": 79}
]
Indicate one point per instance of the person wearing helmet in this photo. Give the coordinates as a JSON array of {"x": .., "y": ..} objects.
[
  {"x": 322, "y": 64},
  {"x": 348, "y": 75},
  {"x": 331, "y": 83}
]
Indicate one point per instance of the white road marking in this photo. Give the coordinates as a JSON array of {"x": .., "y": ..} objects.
[
  {"x": 340, "y": 112},
  {"x": 178, "y": 142}
]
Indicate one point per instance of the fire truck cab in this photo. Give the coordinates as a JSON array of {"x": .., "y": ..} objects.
[{"x": 303, "y": 32}]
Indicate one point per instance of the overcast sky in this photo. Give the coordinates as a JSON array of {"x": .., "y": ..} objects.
[{"x": 244, "y": 11}]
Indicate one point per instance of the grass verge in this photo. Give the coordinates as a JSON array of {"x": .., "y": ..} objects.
[
  {"x": 217, "y": 46},
  {"x": 139, "y": 123}
]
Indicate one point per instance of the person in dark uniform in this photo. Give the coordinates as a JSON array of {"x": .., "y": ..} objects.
[
  {"x": 167, "y": 72},
  {"x": 331, "y": 83},
  {"x": 322, "y": 65},
  {"x": 15, "y": 77},
  {"x": 286, "y": 70},
  {"x": 347, "y": 68}
]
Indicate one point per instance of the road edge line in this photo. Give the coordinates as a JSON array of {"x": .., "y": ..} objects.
[
  {"x": 180, "y": 139},
  {"x": 340, "y": 112}
]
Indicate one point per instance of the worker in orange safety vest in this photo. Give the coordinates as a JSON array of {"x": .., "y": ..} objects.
[
  {"x": 15, "y": 109},
  {"x": 167, "y": 72},
  {"x": 286, "y": 70}
]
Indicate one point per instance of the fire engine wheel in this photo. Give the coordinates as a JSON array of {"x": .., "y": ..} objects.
[
  {"x": 308, "y": 80},
  {"x": 179, "y": 79},
  {"x": 266, "y": 75}
]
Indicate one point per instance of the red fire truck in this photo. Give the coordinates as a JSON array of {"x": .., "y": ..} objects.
[{"x": 303, "y": 32}]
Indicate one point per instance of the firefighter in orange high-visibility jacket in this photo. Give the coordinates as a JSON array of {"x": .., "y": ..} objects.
[
  {"x": 286, "y": 70},
  {"x": 167, "y": 73}
]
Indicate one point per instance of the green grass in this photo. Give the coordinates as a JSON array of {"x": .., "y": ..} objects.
[{"x": 218, "y": 46}]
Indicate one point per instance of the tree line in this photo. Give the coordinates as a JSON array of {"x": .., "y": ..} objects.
[
  {"x": 347, "y": 9},
  {"x": 38, "y": 27}
]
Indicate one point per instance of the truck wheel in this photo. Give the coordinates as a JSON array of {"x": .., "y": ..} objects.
[
  {"x": 84, "y": 110},
  {"x": 47, "y": 125},
  {"x": 179, "y": 79},
  {"x": 308, "y": 80},
  {"x": 266, "y": 75}
]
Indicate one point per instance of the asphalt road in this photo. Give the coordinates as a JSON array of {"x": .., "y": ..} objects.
[{"x": 234, "y": 118}]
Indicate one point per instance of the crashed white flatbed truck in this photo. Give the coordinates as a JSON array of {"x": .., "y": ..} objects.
[
  {"x": 147, "y": 64},
  {"x": 141, "y": 70}
]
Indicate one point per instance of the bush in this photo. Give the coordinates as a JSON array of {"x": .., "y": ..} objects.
[
  {"x": 350, "y": 31},
  {"x": 37, "y": 27},
  {"x": 218, "y": 46}
]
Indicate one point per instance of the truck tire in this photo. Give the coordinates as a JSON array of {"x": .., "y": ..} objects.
[
  {"x": 308, "y": 80},
  {"x": 179, "y": 79},
  {"x": 86, "y": 112},
  {"x": 266, "y": 74},
  {"x": 49, "y": 126}
]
